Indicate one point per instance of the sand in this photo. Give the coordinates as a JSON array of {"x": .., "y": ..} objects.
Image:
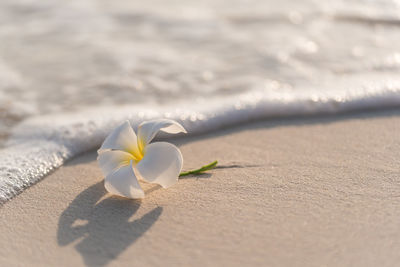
[{"x": 293, "y": 192}]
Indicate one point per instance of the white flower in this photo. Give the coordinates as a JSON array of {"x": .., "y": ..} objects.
[{"x": 126, "y": 158}]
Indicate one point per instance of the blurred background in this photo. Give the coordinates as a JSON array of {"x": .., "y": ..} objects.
[{"x": 61, "y": 56}]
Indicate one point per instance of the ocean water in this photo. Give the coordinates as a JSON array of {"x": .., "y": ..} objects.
[{"x": 72, "y": 70}]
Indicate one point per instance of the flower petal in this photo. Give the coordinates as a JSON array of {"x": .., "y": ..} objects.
[
  {"x": 147, "y": 130},
  {"x": 110, "y": 160},
  {"x": 161, "y": 164},
  {"x": 122, "y": 138},
  {"x": 123, "y": 182}
]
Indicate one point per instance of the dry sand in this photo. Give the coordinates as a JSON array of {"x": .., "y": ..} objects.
[{"x": 299, "y": 192}]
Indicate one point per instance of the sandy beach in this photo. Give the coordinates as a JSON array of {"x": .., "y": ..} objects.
[
  {"x": 292, "y": 192},
  {"x": 299, "y": 101}
]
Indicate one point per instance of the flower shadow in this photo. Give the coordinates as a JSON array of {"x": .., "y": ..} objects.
[{"x": 103, "y": 226}]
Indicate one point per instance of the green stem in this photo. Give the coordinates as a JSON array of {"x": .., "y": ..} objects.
[{"x": 200, "y": 170}]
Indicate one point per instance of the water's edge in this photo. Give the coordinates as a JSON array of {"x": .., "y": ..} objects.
[{"x": 41, "y": 144}]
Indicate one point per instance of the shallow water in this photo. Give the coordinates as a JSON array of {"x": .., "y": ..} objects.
[{"x": 72, "y": 70}]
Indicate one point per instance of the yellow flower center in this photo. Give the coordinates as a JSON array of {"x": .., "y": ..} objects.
[{"x": 138, "y": 153}]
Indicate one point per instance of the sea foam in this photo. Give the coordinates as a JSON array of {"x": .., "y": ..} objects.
[{"x": 43, "y": 143}]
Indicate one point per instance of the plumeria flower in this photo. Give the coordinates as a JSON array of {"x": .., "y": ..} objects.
[{"x": 125, "y": 158}]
